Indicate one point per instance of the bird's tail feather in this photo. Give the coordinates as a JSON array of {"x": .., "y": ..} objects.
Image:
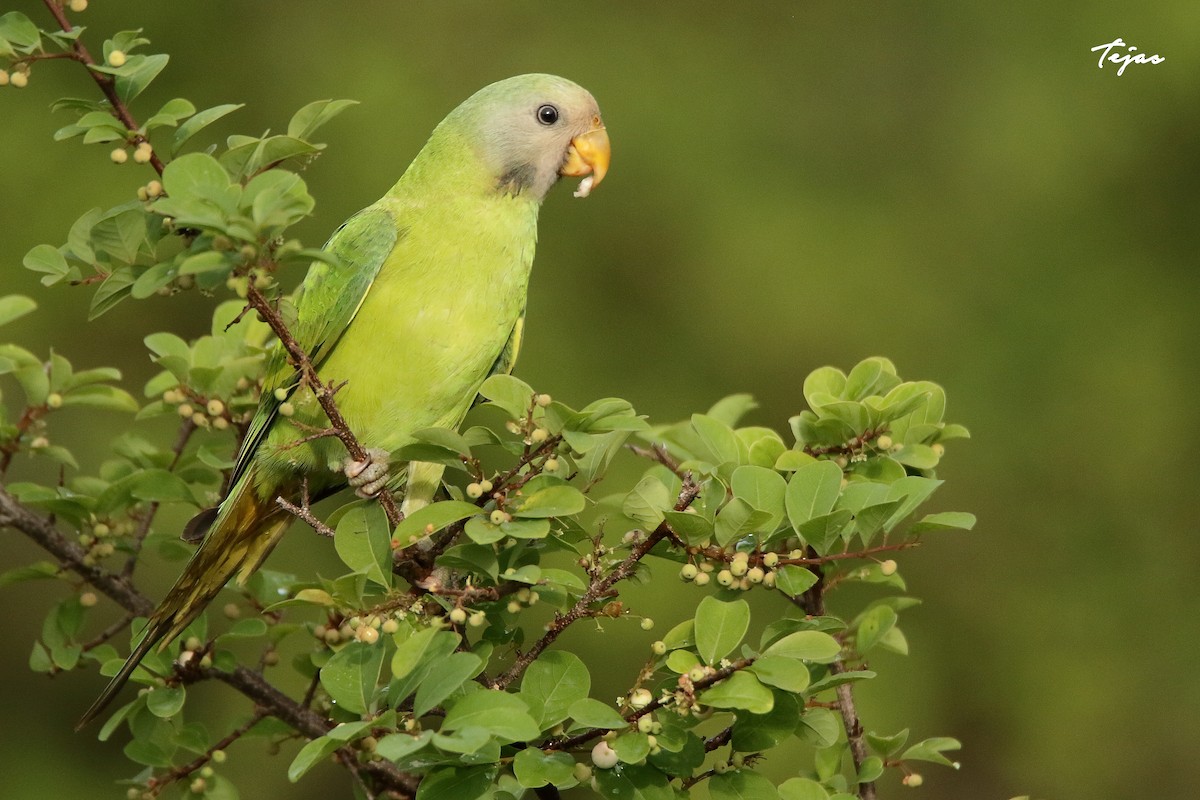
[{"x": 244, "y": 533}]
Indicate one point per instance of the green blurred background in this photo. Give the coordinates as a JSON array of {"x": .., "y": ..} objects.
[{"x": 954, "y": 185}]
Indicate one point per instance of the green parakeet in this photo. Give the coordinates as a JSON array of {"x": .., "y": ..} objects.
[{"x": 427, "y": 299}]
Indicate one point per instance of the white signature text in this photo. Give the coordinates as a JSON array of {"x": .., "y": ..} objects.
[{"x": 1124, "y": 59}]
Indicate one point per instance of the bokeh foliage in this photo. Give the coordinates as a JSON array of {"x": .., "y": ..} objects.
[{"x": 813, "y": 184}]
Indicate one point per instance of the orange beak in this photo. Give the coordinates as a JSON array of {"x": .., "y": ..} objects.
[{"x": 589, "y": 155}]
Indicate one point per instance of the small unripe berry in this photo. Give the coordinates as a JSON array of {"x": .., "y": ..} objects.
[
  {"x": 232, "y": 611},
  {"x": 640, "y": 698},
  {"x": 486, "y": 485},
  {"x": 474, "y": 490},
  {"x": 543, "y": 400},
  {"x": 755, "y": 575},
  {"x": 117, "y": 58},
  {"x": 133, "y": 793},
  {"x": 539, "y": 435},
  {"x": 142, "y": 153},
  {"x": 770, "y": 560},
  {"x": 332, "y": 636},
  {"x": 769, "y": 580},
  {"x": 88, "y": 599},
  {"x": 647, "y": 624},
  {"x": 101, "y": 529},
  {"x": 286, "y": 409},
  {"x": 737, "y": 568},
  {"x": 367, "y": 634},
  {"x": 645, "y": 724},
  {"x": 702, "y": 579},
  {"x": 477, "y": 619},
  {"x": 551, "y": 465},
  {"x": 706, "y": 566},
  {"x": 218, "y": 756},
  {"x": 913, "y": 780},
  {"x": 281, "y": 395},
  {"x": 696, "y": 674},
  {"x": 55, "y": 400},
  {"x": 513, "y": 607},
  {"x": 582, "y": 772},
  {"x": 688, "y": 572},
  {"x": 741, "y": 556},
  {"x": 199, "y": 420},
  {"x": 603, "y": 756},
  {"x": 119, "y": 155},
  {"x": 658, "y": 648},
  {"x": 198, "y": 786},
  {"x": 20, "y": 79},
  {"x": 39, "y": 442},
  {"x": 938, "y": 449},
  {"x": 79, "y": 6},
  {"x": 215, "y": 407},
  {"x": 185, "y": 410},
  {"x": 458, "y": 616},
  {"x": 725, "y": 577},
  {"x": 887, "y": 567},
  {"x": 498, "y": 517},
  {"x": 884, "y": 442},
  {"x": 270, "y": 658}
]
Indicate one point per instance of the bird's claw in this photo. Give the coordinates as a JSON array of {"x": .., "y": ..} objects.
[{"x": 370, "y": 475}]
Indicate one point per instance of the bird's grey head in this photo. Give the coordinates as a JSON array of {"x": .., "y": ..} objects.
[{"x": 531, "y": 130}]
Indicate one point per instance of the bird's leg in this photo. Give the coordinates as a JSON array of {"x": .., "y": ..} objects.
[{"x": 369, "y": 476}]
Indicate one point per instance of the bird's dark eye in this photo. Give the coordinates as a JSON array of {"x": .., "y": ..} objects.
[{"x": 547, "y": 114}]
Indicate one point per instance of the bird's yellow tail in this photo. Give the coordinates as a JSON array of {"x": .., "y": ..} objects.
[{"x": 245, "y": 531}]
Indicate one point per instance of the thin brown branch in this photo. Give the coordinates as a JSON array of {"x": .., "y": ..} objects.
[
  {"x": 813, "y": 603},
  {"x": 108, "y": 633},
  {"x": 657, "y": 453},
  {"x": 29, "y": 416},
  {"x": 156, "y": 785},
  {"x": 106, "y": 83},
  {"x": 719, "y": 740},
  {"x": 323, "y": 391},
  {"x": 303, "y": 512},
  {"x": 713, "y": 553},
  {"x": 599, "y": 588}
]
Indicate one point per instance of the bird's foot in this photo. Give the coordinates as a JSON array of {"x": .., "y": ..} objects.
[{"x": 369, "y": 476}]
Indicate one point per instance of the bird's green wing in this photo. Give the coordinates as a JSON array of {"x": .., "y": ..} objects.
[
  {"x": 512, "y": 348},
  {"x": 326, "y": 302}
]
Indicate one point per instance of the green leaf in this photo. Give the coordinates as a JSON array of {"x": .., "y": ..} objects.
[
  {"x": 807, "y": 646},
  {"x": 812, "y": 491},
  {"x": 932, "y": 749},
  {"x": 719, "y": 440},
  {"x": 945, "y": 521},
  {"x": 481, "y": 530},
  {"x": 410, "y": 646},
  {"x": 553, "y": 684},
  {"x": 107, "y": 397},
  {"x": 681, "y": 661},
  {"x": 534, "y": 768},
  {"x": 784, "y": 673},
  {"x": 452, "y": 672},
  {"x": 137, "y": 73},
  {"x": 200, "y": 121},
  {"x": 873, "y": 626},
  {"x": 741, "y": 690},
  {"x": 820, "y": 726},
  {"x": 763, "y": 489},
  {"x": 171, "y": 113},
  {"x": 438, "y": 515},
  {"x": 312, "y": 116},
  {"x": 591, "y": 713},
  {"x": 887, "y": 746},
  {"x": 352, "y": 674},
  {"x": 792, "y": 579},
  {"x": 457, "y": 783},
  {"x": 160, "y": 486},
  {"x": 693, "y": 527},
  {"x": 552, "y": 501},
  {"x": 39, "y": 571},
  {"x": 115, "y": 288},
  {"x": 48, "y": 260},
  {"x": 631, "y": 746},
  {"x": 824, "y": 381},
  {"x": 737, "y": 519},
  {"x": 741, "y": 784},
  {"x": 15, "y": 306},
  {"x": 503, "y": 715},
  {"x": 647, "y": 501},
  {"x": 755, "y": 732},
  {"x": 363, "y": 542},
  {"x": 396, "y": 746},
  {"x": 509, "y": 393},
  {"x": 633, "y": 782},
  {"x": 802, "y": 789},
  {"x": 165, "y": 702},
  {"x": 720, "y": 627},
  {"x": 914, "y": 490},
  {"x": 310, "y": 755}
]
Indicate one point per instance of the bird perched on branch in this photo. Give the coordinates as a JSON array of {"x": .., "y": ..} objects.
[{"x": 425, "y": 299}]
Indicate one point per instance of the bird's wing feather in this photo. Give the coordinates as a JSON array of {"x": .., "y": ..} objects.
[{"x": 326, "y": 303}]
